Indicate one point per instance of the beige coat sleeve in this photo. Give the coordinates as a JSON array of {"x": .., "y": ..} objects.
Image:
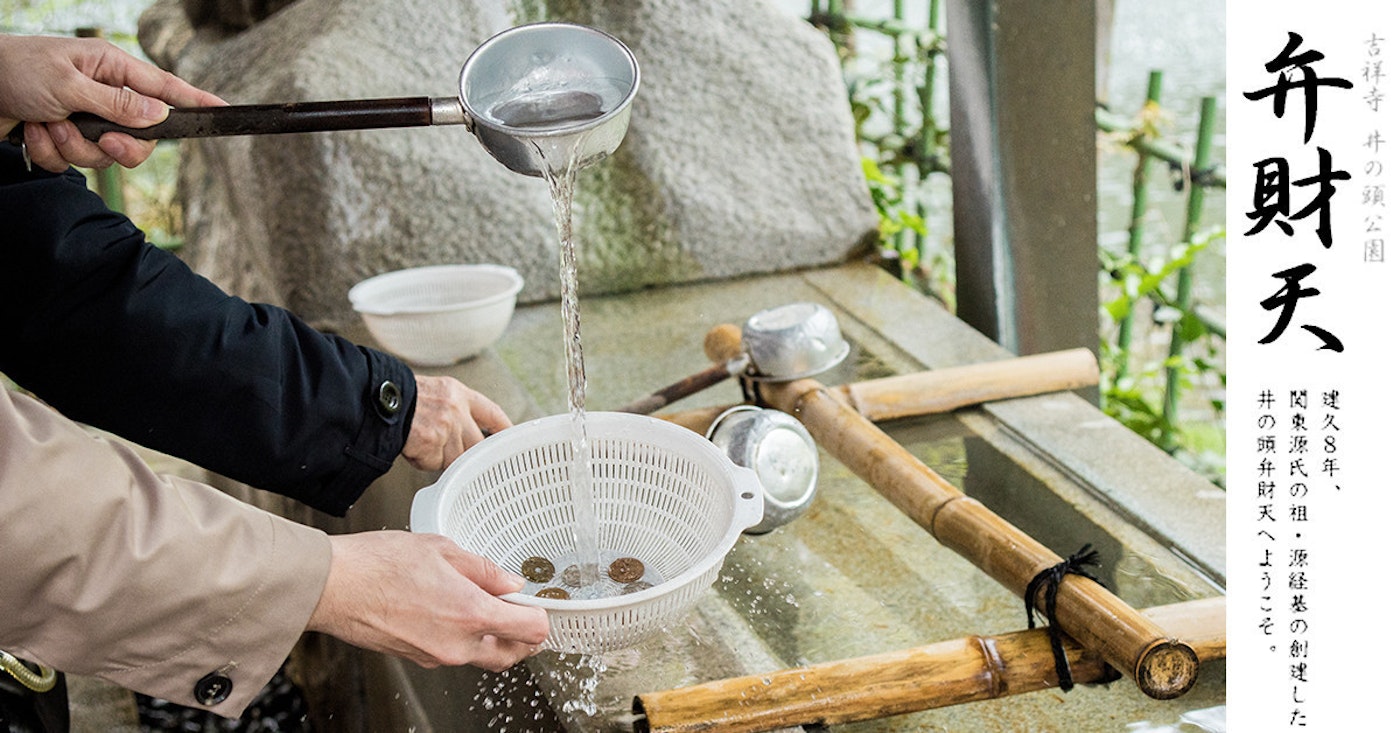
[{"x": 159, "y": 584}]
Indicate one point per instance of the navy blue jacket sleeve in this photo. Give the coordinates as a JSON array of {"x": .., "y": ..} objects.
[{"x": 121, "y": 335}]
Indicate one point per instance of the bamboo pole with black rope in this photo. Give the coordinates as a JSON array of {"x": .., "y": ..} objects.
[
  {"x": 904, "y": 681},
  {"x": 1161, "y": 666}
]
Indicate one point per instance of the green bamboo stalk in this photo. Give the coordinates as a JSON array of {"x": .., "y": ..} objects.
[
  {"x": 908, "y": 178},
  {"x": 1136, "y": 226},
  {"x": 928, "y": 127},
  {"x": 928, "y": 137},
  {"x": 899, "y": 61},
  {"x": 1194, "y": 203},
  {"x": 889, "y": 27}
]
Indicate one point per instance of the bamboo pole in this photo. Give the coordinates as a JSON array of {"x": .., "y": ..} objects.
[
  {"x": 944, "y": 390},
  {"x": 937, "y": 391},
  {"x": 905, "y": 681},
  {"x": 1162, "y": 667}
]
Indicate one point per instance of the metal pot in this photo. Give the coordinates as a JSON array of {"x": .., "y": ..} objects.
[
  {"x": 780, "y": 450},
  {"x": 793, "y": 341},
  {"x": 531, "y": 92}
]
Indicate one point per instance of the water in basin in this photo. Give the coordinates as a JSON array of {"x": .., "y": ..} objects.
[{"x": 854, "y": 577}]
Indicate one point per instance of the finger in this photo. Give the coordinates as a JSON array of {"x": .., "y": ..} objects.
[
  {"x": 524, "y": 625},
  {"x": 42, "y": 150},
  {"x": 76, "y": 149},
  {"x": 150, "y": 86},
  {"x": 470, "y": 433},
  {"x": 454, "y": 444},
  {"x": 125, "y": 149},
  {"x": 173, "y": 90},
  {"x": 120, "y": 104},
  {"x": 488, "y": 416},
  {"x": 498, "y": 655},
  {"x": 487, "y": 575}
]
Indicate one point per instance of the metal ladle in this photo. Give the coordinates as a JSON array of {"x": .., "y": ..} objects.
[
  {"x": 532, "y": 95},
  {"x": 777, "y": 344}
]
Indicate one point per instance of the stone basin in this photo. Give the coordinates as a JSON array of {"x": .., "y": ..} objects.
[{"x": 853, "y": 576}]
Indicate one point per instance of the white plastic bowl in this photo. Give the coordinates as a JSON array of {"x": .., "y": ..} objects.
[{"x": 440, "y": 314}]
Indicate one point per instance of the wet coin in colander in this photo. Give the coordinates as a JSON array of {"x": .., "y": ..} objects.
[
  {"x": 626, "y": 569},
  {"x": 537, "y": 569},
  {"x": 552, "y": 592},
  {"x": 571, "y": 577},
  {"x": 634, "y": 586}
]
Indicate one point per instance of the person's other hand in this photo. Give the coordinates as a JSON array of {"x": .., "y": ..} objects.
[
  {"x": 449, "y": 418},
  {"x": 423, "y": 598},
  {"x": 44, "y": 79}
]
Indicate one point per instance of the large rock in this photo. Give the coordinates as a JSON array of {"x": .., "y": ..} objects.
[{"x": 739, "y": 159}]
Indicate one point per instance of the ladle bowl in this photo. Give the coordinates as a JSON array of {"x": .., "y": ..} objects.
[{"x": 537, "y": 94}]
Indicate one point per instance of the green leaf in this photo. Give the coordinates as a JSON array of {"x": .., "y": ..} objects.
[
  {"x": 1118, "y": 308},
  {"x": 1190, "y": 327}
]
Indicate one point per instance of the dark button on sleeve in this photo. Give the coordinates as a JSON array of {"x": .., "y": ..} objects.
[
  {"x": 390, "y": 399},
  {"x": 212, "y": 688}
]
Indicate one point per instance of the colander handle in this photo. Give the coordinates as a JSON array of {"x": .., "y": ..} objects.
[
  {"x": 749, "y": 495},
  {"x": 423, "y": 513}
]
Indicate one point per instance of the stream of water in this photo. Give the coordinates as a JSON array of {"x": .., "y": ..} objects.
[{"x": 561, "y": 178}]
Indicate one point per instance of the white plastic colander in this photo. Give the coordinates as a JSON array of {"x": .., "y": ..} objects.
[{"x": 661, "y": 493}]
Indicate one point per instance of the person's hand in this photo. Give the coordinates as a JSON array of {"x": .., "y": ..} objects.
[
  {"x": 423, "y": 598},
  {"x": 44, "y": 79},
  {"x": 449, "y": 418}
]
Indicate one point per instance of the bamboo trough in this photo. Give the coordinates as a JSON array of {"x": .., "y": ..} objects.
[
  {"x": 905, "y": 681},
  {"x": 841, "y": 419},
  {"x": 1162, "y": 667}
]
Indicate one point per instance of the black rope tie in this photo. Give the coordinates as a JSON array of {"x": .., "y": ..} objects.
[{"x": 1050, "y": 579}]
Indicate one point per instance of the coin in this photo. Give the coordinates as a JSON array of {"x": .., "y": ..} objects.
[
  {"x": 570, "y": 577},
  {"x": 537, "y": 570},
  {"x": 626, "y": 569},
  {"x": 635, "y": 586},
  {"x": 558, "y": 593}
]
